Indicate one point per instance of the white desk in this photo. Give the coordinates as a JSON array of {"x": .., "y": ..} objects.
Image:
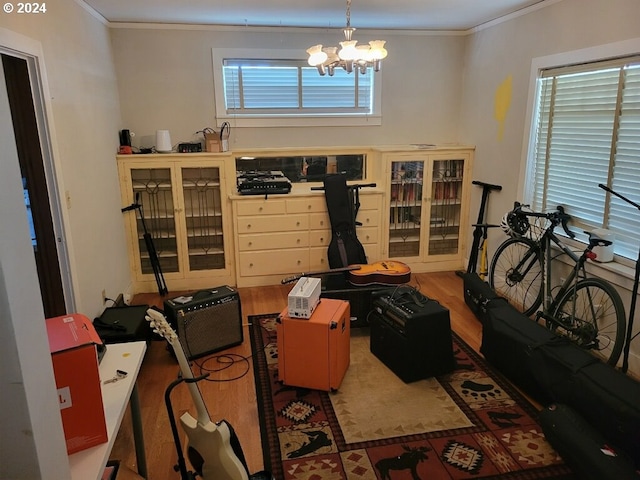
[{"x": 89, "y": 464}]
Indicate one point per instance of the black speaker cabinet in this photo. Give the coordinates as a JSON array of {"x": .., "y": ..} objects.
[
  {"x": 207, "y": 321},
  {"x": 414, "y": 348}
]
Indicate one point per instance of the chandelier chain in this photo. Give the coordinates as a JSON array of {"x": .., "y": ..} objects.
[{"x": 348, "y": 13}]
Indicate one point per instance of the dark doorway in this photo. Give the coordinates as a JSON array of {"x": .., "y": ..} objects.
[{"x": 34, "y": 183}]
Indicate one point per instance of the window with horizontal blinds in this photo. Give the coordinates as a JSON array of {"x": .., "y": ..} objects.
[
  {"x": 292, "y": 87},
  {"x": 588, "y": 133}
]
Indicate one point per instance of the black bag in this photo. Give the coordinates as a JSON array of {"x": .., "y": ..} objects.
[
  {"x": 344, "y": 249},
  {"x": 589, "y": 454},
  {"x": 479, "y": 296},
  {"x": 123, "y": 324},
  {"x": 508, "y": 340},
  {"x": 607, "y": 398}
]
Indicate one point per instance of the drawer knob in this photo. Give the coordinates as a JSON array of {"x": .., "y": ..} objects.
[
  {"x": 250, "y": 243},
  {"x": 251, "y": 265},
  {"x": 299, "y": 262},
  {"x": 298, "y": 240},
  {"x": 308, "y": 207},
  {"x": 260, "y": 209},
  {"x": 321, "y": 222},
  {"x": 322, "y": 239},
  {"x": 297, "y": 224},
  {"x": 248, "y": 225}
]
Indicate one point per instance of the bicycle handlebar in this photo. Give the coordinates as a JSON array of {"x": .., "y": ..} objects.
[{"x": 557, "y": 217}]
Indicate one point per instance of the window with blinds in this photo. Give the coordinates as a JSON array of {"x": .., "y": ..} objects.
[
  {"x": 588, "y": 133},
  {"x": 293, "y": 88}
]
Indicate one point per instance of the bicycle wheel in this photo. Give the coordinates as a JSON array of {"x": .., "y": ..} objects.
[
  {"x": 516, "y": 274},
  {"x": 592, "y": 315}
]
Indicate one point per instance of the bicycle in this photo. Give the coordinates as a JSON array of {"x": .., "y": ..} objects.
[{"x": 587, "y": 310}]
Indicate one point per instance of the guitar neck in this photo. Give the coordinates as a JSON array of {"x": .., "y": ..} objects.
[
  {"x": 194, "y": 390},
  {"x": 324, "y": 272}
]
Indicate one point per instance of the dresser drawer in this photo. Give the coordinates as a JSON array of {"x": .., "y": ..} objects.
[
  {"x": 367, "y": 235},
  {"x": 306, "y": 205},
  {"x": 280, "y": 262},
  {"x": 272, "y": 241},
  {"x": 318, "y": 261},
  {"x": 319, "y": 238},
  {"x": 261, "y": 207},
  {"x": 368, "y": 218},
  {"x": 268, "y": 224},
  {"x": 319, "y": 221}
]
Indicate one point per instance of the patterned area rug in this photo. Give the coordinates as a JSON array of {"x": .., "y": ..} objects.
[{"x": 467, "y": 424}]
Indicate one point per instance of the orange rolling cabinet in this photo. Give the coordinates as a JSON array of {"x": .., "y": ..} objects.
[{"x": 314, "y": 353}]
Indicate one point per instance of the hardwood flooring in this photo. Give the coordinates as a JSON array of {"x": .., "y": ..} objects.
[{"x": 232, "y": 398}]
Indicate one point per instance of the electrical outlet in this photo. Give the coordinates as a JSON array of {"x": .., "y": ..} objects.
[{"x": 104, "y": 296}]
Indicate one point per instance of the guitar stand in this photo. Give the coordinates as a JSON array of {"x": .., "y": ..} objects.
[
  {"x": 354, "y": 193},
  {"x": 481, "y": 227},
  {"x": 151, "y": 249},
  {"x": 181, "y": 466}
]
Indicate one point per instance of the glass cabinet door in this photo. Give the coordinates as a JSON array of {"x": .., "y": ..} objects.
[
  {"x": 405, "y": 208},
  {"x": 203, "y": 217},
  {"x": 446, "y": 201},
  {"x": 156, "y": 226}
]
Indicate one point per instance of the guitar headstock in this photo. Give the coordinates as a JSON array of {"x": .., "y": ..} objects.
[{"x": 160, "y": 325}]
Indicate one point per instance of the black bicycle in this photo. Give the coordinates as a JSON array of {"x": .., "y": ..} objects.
[{"x": 587, "y": 310}]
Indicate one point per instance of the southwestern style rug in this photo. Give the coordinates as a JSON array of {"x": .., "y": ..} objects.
[{"x": 467, "y": 424}]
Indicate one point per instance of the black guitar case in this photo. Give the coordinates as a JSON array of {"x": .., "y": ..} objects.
[
  {"x": 582, "y": 447},
  {"x": 344, "y": 249}
]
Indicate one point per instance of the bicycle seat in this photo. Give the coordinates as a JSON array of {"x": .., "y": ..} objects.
[{"x": 596, "y": 241}]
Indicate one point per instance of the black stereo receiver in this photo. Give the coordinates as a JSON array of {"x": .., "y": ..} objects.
[{"x": 191, "y": 147}]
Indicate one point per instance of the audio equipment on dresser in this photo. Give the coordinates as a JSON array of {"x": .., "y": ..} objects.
[
  {"x": 262, "y": 183},
  {"x": 206, "y": 321}
]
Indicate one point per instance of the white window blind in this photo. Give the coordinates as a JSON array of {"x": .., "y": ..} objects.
[
  {"x": 588, "y": 133},
  {"x": 292, "y": 87}
]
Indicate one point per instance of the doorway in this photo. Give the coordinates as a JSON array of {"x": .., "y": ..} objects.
[{"x": 36, "y": 184}]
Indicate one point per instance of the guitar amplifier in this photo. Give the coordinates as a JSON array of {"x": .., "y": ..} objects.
[
  {"x": 206, "y": 321},
  {"x": 304, "y": 297},
  {"x": 411, "y": 334}
]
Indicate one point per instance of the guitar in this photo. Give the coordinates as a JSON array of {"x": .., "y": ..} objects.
[
  {"x": 211, "y": 442},
  {"x": 387, "y": 272}
]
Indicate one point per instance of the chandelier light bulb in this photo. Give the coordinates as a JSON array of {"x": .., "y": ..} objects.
[
  {"x": 316, "y": 55},
  {"x": 378, "y": 52},
  {"x": 348, "y": 50}
]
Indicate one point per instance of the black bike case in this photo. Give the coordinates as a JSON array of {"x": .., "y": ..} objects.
[
  {"x": 551, "y": 369},
  {"x": 589, "y": 454},
  {"x": 508, "y": 340},
  {"x": 479, "y": 296}
]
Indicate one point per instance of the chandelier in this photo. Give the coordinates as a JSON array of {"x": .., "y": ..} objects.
[{"x": 350, "y": 56}]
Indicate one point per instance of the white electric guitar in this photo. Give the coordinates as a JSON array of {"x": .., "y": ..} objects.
[{"x": 211, "y": 441}]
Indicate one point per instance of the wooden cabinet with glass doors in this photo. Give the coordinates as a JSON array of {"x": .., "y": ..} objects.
[
  {"x": 428, "y": 207},
  {"x": 184, "y": 208}
]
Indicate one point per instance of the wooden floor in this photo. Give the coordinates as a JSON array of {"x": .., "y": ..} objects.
[{"x": 235, "y": 400}]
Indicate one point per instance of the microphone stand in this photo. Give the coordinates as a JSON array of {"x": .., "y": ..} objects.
[
  {"x": 151, "y": 249},
  {"x": 634, "y": 293}
]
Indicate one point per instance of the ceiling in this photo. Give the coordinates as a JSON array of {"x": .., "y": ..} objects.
[{"x": 370, "y": 14}]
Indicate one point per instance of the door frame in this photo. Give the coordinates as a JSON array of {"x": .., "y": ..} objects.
[{"x": 20, "y": 46}]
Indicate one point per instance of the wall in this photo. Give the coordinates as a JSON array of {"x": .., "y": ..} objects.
[
  {"x": 165, "y": 78},
  {"x": 74, "y": 58},
  {"x": 504, "y": 52},
  {"x": 84, "y": 119}
]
